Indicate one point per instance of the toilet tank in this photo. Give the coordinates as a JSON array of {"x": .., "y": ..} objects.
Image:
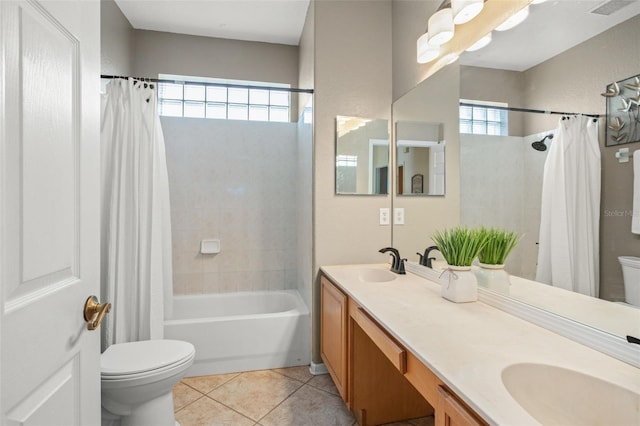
[{"x": 631, "y": 276}]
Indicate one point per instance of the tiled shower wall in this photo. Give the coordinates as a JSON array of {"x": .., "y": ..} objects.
[
  {"x": 509, "y": 196},
  {"x": 234, "y": 181}
]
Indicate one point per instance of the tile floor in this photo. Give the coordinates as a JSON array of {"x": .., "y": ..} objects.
[{"x": 278, "y": 397}]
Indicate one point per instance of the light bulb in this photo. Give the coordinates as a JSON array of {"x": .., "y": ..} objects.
[
  {"x": 450, "y": 58},
  {"x": 480, "y": 43},
  {"x": 441, "y": 27},
  {"x": 426, "y": 52},
  {"x": 465, "y": 10},
  {"x": 514, "y": 20}
]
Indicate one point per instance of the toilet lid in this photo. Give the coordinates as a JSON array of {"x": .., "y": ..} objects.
[{"x": 138, "y": 357}]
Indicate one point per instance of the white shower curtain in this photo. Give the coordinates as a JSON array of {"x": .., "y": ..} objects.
[
  {"x": 568, "y": 253},
  {"x": 136, "y": 230}
]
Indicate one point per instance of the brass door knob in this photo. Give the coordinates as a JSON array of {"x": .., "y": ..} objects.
[{"x": 94, "y": 312}]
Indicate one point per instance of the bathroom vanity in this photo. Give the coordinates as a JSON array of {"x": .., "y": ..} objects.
[{"x": 396, "y": 350}]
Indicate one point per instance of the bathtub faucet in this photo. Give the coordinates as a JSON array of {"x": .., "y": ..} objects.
[{"x": 398, "y": 263}]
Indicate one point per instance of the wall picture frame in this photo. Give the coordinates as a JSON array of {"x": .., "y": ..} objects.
[
  {"x": 417, "y": 186},
  {"x": 623, "y": 111}
]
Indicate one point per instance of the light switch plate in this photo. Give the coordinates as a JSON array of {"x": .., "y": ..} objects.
[
  {"x": 384, "y": 216},
  {"x": 398, "y": 216}
]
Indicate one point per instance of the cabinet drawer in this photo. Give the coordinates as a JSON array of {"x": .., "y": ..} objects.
[
  {"x": 422, "y": 379},
  {"x": 394, "y": 352}
]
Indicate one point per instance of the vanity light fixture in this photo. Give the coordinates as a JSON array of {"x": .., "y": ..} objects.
[
  {"x": 465, "y": 10},
  {"x": 426, "y": 52},
  {"x": 514, "y": 20},
  {"x": 480, "y": 43},
  {"x": 441, "y": 27},
  {"x": 450, "y": 58}
]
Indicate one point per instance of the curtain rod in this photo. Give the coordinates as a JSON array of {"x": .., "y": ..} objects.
[
  {"x": 237, "y": 86},
  {"x": 537, "y": 111}
]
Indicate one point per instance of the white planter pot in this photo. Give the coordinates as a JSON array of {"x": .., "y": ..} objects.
[
  {"x": 493, "y": 277},
  {"x": 461, "y": 286}
]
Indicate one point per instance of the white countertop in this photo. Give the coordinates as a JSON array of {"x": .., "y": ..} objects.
[{"x": 467, "y": 345}]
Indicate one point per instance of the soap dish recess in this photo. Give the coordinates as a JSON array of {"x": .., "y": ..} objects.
[{"x": 210, "y": 246}]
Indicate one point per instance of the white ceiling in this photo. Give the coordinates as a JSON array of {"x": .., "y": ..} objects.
[
  {"x": 550, "y": 29},
  {"x": 270, "y": 21},
  {"x": 556, "y": 25}
]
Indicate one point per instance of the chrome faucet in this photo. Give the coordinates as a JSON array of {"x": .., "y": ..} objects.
[
  {"x": 398, "y": 263},
  {"x": 425, "y": 260}
]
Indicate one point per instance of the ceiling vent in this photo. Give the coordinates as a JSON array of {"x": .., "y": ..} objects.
[{"x": 611, "y": 6}]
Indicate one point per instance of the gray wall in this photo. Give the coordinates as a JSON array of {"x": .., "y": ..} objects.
[
  {"x": 141, "y": 53},
  {"x": 116, "y": 40},
  {"x": 409, "y": 22},
  {"x": 168, "y": 53},
  {"x": 494, "y": 85},
  {"x": 352, "y": 77}
]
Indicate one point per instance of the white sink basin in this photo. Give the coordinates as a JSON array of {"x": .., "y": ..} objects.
[
  {"x": 375, "y": 275},
  {"x": 558, "y": 396}
]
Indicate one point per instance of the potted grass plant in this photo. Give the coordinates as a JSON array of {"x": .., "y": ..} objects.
[
  {"x": 492, "y": 257},
  {"x": 460, "y": 246}
]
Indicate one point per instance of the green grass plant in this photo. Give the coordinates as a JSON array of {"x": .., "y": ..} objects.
[
  {"x": 460, "y": 245},
  {"x": 500, "y": 243}
]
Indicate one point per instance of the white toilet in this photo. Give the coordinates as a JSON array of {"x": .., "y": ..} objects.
[
  {"x": 631, "y": 276},
  {"x": 138, "y": 378}
]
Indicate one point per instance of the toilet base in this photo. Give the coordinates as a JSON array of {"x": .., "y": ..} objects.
[{"x": 157, "y": 412}]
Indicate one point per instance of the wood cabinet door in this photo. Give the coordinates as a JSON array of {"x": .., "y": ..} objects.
[
  {"x": 333, "y": 334},
  {"x": 452, "y": 412}
]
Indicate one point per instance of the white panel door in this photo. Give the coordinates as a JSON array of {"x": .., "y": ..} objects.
[
  {"x": 436, "y": 169},
  {"x": 49, "y": 211}
]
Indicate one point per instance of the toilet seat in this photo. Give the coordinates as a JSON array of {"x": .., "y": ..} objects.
[
  {"x": 137, "y": 379},
  {"x": 137, "y": 360}
]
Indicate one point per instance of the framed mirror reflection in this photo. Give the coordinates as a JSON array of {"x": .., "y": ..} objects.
[
  {"x": 362, "y": 156},
  {"x": 420, "y": 158}
]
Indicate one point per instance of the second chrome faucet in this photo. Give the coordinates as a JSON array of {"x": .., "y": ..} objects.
[{"x": 398, "y": 263}]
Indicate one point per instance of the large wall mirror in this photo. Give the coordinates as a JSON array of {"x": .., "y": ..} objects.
[
  {"x": 362, "y": 156},
  {"x": 420, "y": 158},
  {"x": 560, "y": 59}
]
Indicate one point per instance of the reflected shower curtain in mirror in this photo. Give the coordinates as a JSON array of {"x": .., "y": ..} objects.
[
  {"x": 135, "y": 226},
  {"x": 568, "y": 252}
]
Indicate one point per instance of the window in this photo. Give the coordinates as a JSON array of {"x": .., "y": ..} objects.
[
  {"x": 195, "y": 98},
  {"x": 479, "y": 118},
  {"x": 346, "y": 160}
]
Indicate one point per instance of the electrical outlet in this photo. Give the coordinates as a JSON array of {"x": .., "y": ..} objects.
[
  {"x": 384, "y": 215},
  {"x": 398, "y": 216}
]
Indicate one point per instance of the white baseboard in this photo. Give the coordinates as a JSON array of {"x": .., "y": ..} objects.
[{"x": 318, "y": 369}]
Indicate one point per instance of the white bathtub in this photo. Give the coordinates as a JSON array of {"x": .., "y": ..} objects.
[{"x": 242, "y": 331}]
